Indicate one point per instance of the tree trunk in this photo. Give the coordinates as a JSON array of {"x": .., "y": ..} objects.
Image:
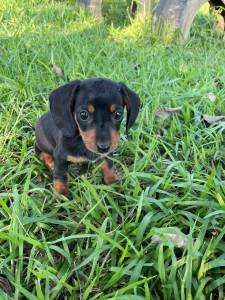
[
  {"x": 93, "y": 6},
  {"x": 142, "y": 7},
  {"x": 179, "y": 14},
  {"x": 219, "y": 5}
]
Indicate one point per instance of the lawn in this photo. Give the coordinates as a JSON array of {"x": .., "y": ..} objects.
[{"x": 113, "y": 242}]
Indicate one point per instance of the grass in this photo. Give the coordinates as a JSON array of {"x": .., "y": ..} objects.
[{"x": 98, "y": 244}]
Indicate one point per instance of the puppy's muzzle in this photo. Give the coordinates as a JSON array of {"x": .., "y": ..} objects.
[{"x": 103, "y": 147}]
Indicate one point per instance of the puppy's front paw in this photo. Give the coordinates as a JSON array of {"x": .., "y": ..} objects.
[
  {"x": 111, "y": 177},
  {"x": 61, "y": 187},
  {"x": 109, "y": 174}
]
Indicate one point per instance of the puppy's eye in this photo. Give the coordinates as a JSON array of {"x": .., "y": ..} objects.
[
  {"x": 84, "y": 115},
  {"x": 117, "y": 115}
]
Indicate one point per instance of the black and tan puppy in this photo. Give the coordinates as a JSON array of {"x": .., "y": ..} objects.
[{"x": 83, "y": 124}]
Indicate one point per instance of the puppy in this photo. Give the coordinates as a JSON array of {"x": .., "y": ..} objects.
[{"x": 83, "y": 124}]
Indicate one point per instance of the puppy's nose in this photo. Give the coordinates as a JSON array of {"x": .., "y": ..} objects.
[{"x": 103, "y": 147}]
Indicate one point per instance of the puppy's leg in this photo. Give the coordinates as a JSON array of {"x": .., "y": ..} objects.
[
  {"x": 109, "y": 172},
  {"x": 48, "y": 160},
  {"x": 45, "y": 157},
  {"x": 37, "y": 150},
  {"x": 60, "y": 176}
]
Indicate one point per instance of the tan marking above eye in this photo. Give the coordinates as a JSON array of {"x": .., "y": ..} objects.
[
  {"x": 91, "y": 108},
  {"x": 113, "y": 108},
  {"x": 75, "y": 159}
]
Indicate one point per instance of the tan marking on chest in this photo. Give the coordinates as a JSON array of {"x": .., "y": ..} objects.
[{"x": 76, "y": 159}]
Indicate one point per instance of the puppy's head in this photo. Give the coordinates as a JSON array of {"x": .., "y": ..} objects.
[{"x": 94, "y": 107}]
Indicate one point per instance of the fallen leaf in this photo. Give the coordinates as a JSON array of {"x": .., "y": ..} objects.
[
  {"x": 178, "y": 241},
  {"x": 170, "y": 235},
  {"x": 212, "y": 119},
  {"x": 57, "y": 70},
  {"x": 212, "y": 97},
  {"x": 164, "y": 113}
]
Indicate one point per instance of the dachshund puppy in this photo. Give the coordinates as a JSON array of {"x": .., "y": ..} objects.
[{"x": 83, "y": 124}]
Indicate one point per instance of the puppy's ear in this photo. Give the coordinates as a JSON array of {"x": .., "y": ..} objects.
[
  {"x": 62, "y": 101},
  {"x": 132, "y": 103}
]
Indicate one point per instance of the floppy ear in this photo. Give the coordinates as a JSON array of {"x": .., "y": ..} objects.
[
  {"x": 62, "y": 101},
  {"x": 132, "y": 103}
]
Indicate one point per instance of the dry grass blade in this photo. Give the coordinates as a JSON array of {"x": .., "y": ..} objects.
[
  {"x": 57, "y": 70},
  {"x": 164, "y": 113},
  {"x": 212, "y": 119}
]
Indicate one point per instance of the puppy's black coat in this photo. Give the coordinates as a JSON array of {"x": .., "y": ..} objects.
[{"x": 83, "y": 124}]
